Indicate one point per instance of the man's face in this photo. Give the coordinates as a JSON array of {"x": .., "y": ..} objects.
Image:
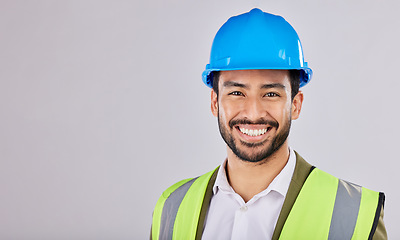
[{"x": 254, "y": 110}]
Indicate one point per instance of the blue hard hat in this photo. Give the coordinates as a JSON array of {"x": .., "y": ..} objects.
[{"x": 256, "y": 40}]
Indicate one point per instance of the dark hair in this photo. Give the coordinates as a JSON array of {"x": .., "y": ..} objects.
[{"x": 294, "y": 76}]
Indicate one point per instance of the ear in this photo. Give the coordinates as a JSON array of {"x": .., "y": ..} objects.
[
  {"x": 214, "y": 103},
  {"x": 296, "y": 105}
]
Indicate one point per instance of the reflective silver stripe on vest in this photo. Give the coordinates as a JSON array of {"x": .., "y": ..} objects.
[
  {"x": 170, "y": 210},
  {"x": 345, "y": 211}
]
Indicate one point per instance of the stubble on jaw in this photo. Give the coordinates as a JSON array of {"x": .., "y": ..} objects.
[{"x": 264, "y": 154}]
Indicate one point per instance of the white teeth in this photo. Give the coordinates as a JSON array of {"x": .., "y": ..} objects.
[{"x": 254, "y": 132}]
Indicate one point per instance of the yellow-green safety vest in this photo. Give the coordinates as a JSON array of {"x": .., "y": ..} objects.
[{"x": 326, "y": 208}]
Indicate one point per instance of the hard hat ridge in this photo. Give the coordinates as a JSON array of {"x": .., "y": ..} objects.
[{"x": 256, "y": 40}]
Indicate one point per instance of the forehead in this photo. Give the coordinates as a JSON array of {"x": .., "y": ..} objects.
[{"x": 255, "y": 77}]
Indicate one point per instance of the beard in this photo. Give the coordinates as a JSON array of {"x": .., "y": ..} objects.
[{"x": 255, "y": 155}]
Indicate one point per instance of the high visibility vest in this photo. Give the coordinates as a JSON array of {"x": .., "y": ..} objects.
[{"x": 326, "y": 208}]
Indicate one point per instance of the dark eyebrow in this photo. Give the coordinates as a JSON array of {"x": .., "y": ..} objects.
[
  {"x": 273, "y": 85},
  {"x": 234, "y": 84}
]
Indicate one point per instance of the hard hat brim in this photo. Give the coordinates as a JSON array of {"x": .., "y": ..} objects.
[{"x": 305, "y": 76}]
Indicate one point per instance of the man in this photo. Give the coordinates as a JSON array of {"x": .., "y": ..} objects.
[{"x": 263, "y": 190}]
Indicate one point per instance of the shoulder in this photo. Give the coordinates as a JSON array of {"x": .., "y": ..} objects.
[
  {"x": 368, "y": 200},
  {"x": 201, "y": 181},
  {"x": 174, "y": 187}
]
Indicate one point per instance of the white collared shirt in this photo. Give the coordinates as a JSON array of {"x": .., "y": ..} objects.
[{"x": 229, "y": 217}]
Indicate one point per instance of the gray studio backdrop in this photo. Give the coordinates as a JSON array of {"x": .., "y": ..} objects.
[{"x": 102, "y": 106}]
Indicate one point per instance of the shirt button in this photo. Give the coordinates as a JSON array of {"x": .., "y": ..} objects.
[{"x": 243, "y": 209}]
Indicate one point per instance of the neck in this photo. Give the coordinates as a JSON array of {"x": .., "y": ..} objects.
[{"x": 248, "y": 178}]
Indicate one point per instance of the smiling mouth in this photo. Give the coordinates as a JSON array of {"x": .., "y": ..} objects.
[{"x": 254, "y": 132}]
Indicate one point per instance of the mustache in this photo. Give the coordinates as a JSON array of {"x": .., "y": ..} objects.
[{"x": 260, "y": 121}]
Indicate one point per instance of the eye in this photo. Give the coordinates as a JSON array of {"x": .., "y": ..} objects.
[
  {"x": 236, "y": 93},
  {"x": 271, "y": 94}
]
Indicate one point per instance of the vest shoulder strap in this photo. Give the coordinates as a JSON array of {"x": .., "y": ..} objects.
[
  {"x": 331, "y": 208},
  {"x": 178, "y": 209}
]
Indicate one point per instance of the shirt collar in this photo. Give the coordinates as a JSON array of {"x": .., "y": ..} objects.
[{"x": 280, "y": 183}]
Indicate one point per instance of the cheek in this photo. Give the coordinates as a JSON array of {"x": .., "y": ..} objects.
[
  {"x": 222, "y": 113},
  {"x": 288, "y": 111},
  {"x": 227, "y": 111},
  {"x": 279, "y": 112}
]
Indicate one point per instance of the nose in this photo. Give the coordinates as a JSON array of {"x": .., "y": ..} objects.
[{"x": 254, "y": 109}]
